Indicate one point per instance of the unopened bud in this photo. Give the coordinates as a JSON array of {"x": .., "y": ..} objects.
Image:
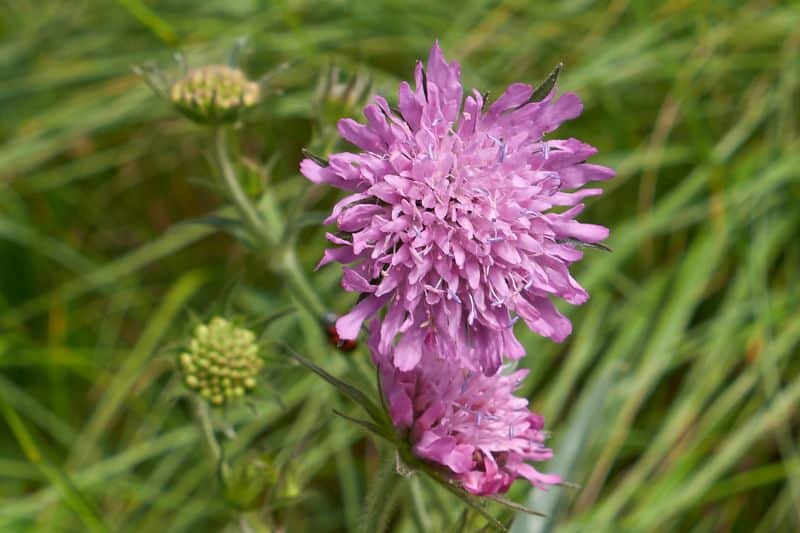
[
  {"x": 215, "y": 350},
  {"x": 253, "y": 476},
  {"x": 214, "y": 94}
]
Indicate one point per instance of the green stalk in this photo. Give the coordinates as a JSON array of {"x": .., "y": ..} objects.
[
  {"x": 300, "y": 287},
  {"x": 380, "y": 495},
  {"x": 248, "y": 522},
  {"x": 421, "y": 516},
  {"x": 204, "y": 419},
  {"x": 246, "y": 209},
  {"x": 268, "y": 239}
]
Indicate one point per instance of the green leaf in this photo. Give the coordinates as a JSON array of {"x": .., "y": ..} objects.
[
  {"x": 547, "y": 85},
  {"x": 345, "y": 388},
  {"x": 514, "y": 505},
  {"x": 369, "y": 426}
]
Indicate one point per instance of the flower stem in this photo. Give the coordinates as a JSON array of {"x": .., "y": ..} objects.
[
  {"x": 299, "y": 285},
  {"x": 381, "y": 495},
  {"x": 420, "y": 513},
  {"x": 248, "y": 522},
  {"x": 246, "y": 209},
  {"x": 267, "y": 239},
  {"x": 203, "y": 417}
]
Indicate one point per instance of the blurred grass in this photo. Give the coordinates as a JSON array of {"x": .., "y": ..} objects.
[{"x": 675, "y": 403}]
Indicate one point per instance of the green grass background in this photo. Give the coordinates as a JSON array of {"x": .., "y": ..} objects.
[{"x": 675, "y": 402}]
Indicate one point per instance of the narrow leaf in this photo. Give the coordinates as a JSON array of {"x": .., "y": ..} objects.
[
  {"x": 347, "y": 389},
  {"x": 369, "y": 426},
  {"x": 581, "y": 244},
  {"x": 547, "y": 85},
  {"x": 514, "y": 505},
  {"x": 315, "y": 158}
]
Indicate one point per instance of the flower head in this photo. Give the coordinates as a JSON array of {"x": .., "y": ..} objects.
[
  {"x": 214, "y": 93},
  {"x": 221, "y": 361},
  {"x": 468, "y": 423},
  {"x": 450, "y": 223}
]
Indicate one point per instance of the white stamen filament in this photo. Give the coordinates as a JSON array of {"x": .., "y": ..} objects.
[
  {"x": 451, "y": 295},
  {"x": 471, "y": 316}
]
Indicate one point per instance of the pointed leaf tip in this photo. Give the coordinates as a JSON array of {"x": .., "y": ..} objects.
[
  {"x": 369, "y": 426},
  {"x": 315, "y": 158},
  {"x": 345, "y": 388},
  {"x": 547, "y": 85},
  {"x": 514, "y": 505}
]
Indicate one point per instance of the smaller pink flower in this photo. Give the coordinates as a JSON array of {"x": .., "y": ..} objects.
[{"x": 469, "y": 423}]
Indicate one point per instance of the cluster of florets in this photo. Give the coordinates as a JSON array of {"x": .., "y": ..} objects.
[
  {"x": 455, "y": 224},
  {"x": 460, "y": 219},
  {"x": 214, "y": 93},
  {"x": 221, "y": 361},
  {"x": 470, "y": 424}
]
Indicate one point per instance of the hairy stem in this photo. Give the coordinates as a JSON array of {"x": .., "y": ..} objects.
[
  {"x": 299, "y": 285},
  {"x": 267, "y": 239},
  {"x": 246, "y": 209},
  {"x": 204, "y": 419},
  {"x": 380, "y": 495},
  {"x": 421, "y": 516}
]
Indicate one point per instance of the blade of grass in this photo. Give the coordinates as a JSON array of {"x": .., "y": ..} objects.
[
  {"x": 120, "y": 385},
  {"x": 58, "y": 479}
]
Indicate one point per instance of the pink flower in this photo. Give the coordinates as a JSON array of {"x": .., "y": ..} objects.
[
  {"x": 450, "y": 222},
  {"x": 468, "y": 423}
]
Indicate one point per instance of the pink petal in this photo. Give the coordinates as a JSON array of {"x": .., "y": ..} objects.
[
  {"x": 515, "y": 95},
  {"x": 408, "y": 351},
  {"x": 355, "y": 282},
  {"x": 577, "y": 175},
  {"x": 360, "y": 135},
  {"x": 349, "y": 325}
]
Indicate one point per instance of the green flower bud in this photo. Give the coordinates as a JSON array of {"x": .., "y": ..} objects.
[
  {"x": 214, "y": 350},
  {"x": 214, "y": 94},
  {"x": 252, "y": 477}
]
